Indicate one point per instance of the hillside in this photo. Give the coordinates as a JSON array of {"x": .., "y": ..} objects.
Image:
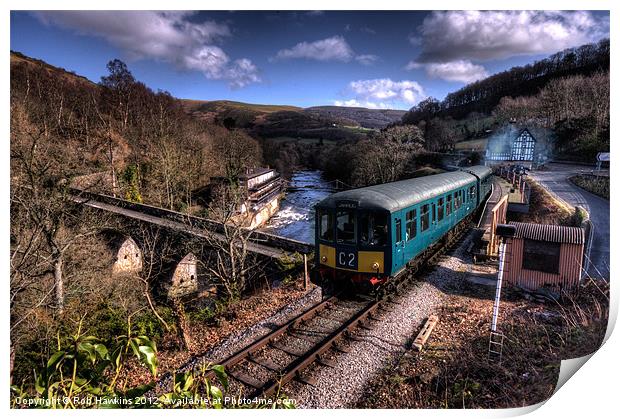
[
  {"x": 566, "y": 93},
  {"x": 329, "y": 122},
  {"x": 483, "y": 95},
  {"x": 17, "y": 58},
  {"x": 367, "y": 118}
]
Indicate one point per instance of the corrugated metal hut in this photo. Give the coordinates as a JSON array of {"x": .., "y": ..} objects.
[{"x": 544, "y": 256}]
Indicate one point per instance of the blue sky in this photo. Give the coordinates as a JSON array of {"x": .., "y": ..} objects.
[{"x": 371, "y": 59}]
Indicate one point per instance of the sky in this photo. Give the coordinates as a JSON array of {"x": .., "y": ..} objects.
[{"x": 305, "y": 58}]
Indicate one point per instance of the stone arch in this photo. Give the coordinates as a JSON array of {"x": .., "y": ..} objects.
[
  {"x": 184, "y": 277},
  {"x": 127, "y": 255}
]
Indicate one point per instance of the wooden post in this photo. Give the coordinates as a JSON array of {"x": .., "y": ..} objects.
[{"x": 305, "y": 272}]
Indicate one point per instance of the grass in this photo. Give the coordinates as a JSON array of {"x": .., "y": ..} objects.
[
  {"x": 311, "y": 141},
  {"x": 217, "y": 104},
  {"x": 469, "y": 145},
  {"x": 598, "y": 185}
]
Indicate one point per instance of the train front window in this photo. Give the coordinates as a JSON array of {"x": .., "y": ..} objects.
[
  {"x": 373, "y": 229},
  {"x": 345, "y": 226},
  {"x": 326, "y": 223}
]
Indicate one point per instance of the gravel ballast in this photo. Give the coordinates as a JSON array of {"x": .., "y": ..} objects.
[
  {"x": 339, "y": 387},
  {"x": 240, "y": 340}
]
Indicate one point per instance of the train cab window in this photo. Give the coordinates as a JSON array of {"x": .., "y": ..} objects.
[
  {"x": 448, "y": 204},
  {"x": 411, "y": 224},
  {"x": 472, "y": 193},
  {"x": 345, "y": 226},
  {"x": 326, "y": 223},
  {"x": 373, "y": 229},
  {"x": 424, "y": 218},
  {"x": 440, "y": 209}
]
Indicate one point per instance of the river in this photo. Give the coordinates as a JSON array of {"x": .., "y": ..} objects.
[{"x": 295, "y": 219}]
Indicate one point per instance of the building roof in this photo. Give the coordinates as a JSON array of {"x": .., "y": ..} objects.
[
  {"x": 549, "y": 233},
  {"x": 396, "y": 195},
  {"x": 257, "y": 171}
]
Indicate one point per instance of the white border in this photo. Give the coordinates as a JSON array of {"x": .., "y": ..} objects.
[{"x": 591, "y": 393}]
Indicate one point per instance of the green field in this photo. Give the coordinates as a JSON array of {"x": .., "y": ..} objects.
[
  {"x": 220, "y": 105},
  {"x": 302, "y": 140},
  {"x": 475, "y": 145}
]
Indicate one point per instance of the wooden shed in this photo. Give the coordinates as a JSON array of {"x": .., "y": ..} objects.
[{"x": 544, "y": 256}]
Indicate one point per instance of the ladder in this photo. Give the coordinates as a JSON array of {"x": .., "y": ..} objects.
[{"x": 496, "y": 346}]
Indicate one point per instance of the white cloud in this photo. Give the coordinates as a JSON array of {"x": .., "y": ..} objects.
[
  {"x": 162, "y": 36},
  {"x": 463, "y": 71},
  {"x": 368, "y": 30},
  {"x": 383, "y": 93},
  {"x": 366, "y": 59},
  {"x": 335, "y": 48},
  {"x": 487, "y": 35}
]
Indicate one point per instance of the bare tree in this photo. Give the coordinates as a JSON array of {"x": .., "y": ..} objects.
[
  {"x": 383, "y": 158},
  {"x": 231, "y": 263}
]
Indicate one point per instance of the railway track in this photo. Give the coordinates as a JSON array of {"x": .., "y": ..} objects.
[{"x": 263, "y": 366}]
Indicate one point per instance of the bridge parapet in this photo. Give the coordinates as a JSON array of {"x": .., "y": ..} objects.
[{"x": 258, "y": 237}]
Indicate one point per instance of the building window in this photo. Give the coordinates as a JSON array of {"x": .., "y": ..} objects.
[
  {"x": 424, "y": 218},
  {"x": 440, "y": 209},
  {"x": 541, "y": 256},
  {"x": 523, "y": 147}
]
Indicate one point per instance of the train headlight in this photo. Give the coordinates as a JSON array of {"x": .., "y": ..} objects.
[
  {"x": 323, "y": 259},
  {"x": 375, "y": 266}
]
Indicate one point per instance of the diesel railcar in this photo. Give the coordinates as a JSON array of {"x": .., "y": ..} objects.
[{"x": 366, "y": 237}]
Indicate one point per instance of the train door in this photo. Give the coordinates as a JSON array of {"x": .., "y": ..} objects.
[
  {"x": 399, "y": 243},
  {"x": 433, "y": 222}
]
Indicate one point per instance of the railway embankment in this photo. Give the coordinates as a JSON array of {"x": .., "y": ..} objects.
[{"x": 235, "y": 326}]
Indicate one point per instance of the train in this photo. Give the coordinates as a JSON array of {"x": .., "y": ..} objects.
[{"x": 367, "y": 238}]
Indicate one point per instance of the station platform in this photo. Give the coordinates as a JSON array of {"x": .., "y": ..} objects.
[{"x": 485, "y": 243}]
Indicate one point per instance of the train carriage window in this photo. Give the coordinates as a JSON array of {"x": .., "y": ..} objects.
[
  {"x": 411, "y": 224},
  {"x": 472, "y": 193},
  {"x": 399, "y": 231},
  {"x": 373, "y": 229},
  {"x": 326, "y": 223},
  {"x": 440, "y": 209},
  {"x": 424, "y": 218},
  {"x": 345, "y": 226},
  {"x": 448, "y": 204},
  {"x": 456, "y": 201}
]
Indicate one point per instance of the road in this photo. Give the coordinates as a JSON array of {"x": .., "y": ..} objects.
[{"x": 555, "y": 179}]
